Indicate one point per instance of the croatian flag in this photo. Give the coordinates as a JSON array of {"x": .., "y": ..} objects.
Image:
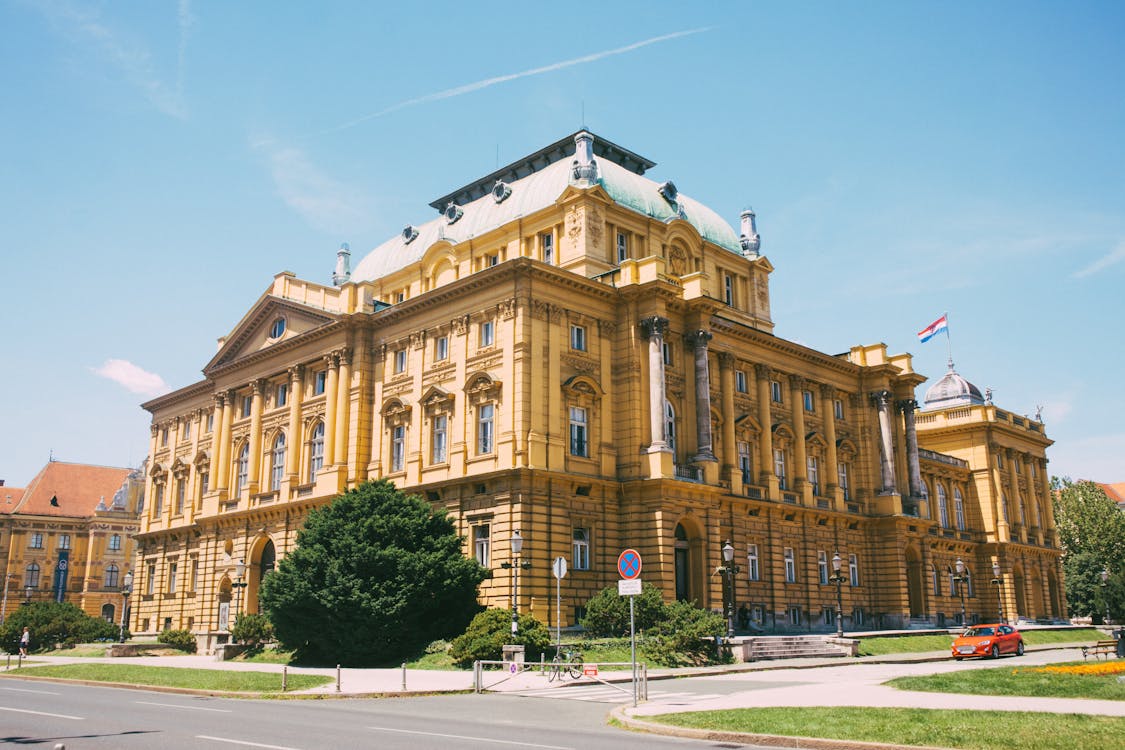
[{"x": 933, "y": 329}]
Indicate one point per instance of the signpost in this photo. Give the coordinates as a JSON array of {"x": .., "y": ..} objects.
[
  {"x": 558, "y": 567},
  {"x": 629, "y": 566}
]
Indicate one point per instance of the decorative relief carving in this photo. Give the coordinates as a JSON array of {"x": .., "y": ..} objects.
[
  {"x": 460, "y": 325},
  {"x": 581, "y": 364},
  {"x": 395, "y": 389},
  {"x": 507, "y": 308},
  {"x": 595, "y": 228},
  {"x": 573, "y": 225},
  {"x": 418, "y": 339},
  {"x": 485, "y": 361},
  {"x": 607, "y": 327},
  {"x": 677, "y": 261}
]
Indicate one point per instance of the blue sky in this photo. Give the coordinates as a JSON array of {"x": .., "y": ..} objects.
[{"x": 161, "y": 161}]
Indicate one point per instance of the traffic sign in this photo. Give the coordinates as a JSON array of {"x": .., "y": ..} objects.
[
  {"x": 629, "y": 563},
  {"x": 558, "y": 567},
  {"x": 589, "y": 670},
  {"x": 629, "y": 587}
]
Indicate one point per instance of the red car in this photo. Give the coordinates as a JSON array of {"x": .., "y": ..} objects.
[{"x": 988, "y": 640}]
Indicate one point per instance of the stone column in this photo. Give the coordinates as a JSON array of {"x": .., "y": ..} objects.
[
  {"x": 255, "y": 459},
  {"x": 331, "y": 386},
  {"x": 296, "y": 439},
  {"x": 730, "y": 442},
  {"x": 343, "y": 389},
  {"x": 882, "y": 401},
  {"x": 223, "y": 402},
  {"x": 1003, "y": 527},
  {"x": 654, "y": 329},
  {"x": 908, "y": 406},
  {"x": 705, "y": 451},
  {"x": 1018, "y": 508},
  {"x": 767, "y": 478},
  {"x": 800, "y": 452},
  {"x": 832, "y": 470}
]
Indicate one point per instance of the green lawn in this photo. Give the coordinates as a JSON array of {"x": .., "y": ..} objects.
[
  {"x": 966, "y": 730},
  {"x": 199, "y": 679},
  {"x": 1016, "y": 680},
  {"x": 909, "y": 644}
]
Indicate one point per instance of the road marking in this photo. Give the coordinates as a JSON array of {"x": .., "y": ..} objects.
[
  {"x": 189, "y": 708},
  {"x": 25, "y": 690},
  {"x": 474, "y": 739},
  {"x": 42, "y": 713},
  {"x": 242, "y": 742}
]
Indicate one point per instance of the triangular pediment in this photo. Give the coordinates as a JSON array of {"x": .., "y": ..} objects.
[{"x": 272, "y": 321}]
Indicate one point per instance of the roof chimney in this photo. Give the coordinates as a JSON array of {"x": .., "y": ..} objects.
[
  {"x": 749, "y": 238},
  {"x": 585, "y": 168},
  {"x": 343, "y": 270}
]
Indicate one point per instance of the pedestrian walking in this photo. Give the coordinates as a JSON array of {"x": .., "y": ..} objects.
[{"x": 25, "y": 641}]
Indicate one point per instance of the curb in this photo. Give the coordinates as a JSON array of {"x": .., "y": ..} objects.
[{"x": 620, "y": 716}]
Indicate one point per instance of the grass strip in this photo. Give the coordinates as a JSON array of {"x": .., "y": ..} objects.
[
  {"x": 1017, "y": 681},
  {"x": 911, "y": 644},
  {"x": 198, "y": 679},
  {"x": 967, "y": 730}
]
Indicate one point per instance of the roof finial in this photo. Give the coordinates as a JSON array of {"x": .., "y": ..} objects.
[
  {"x": 749, "y": 239},
  {"x": 585, "y": 168},
  {"x": 343, "y": 270}
]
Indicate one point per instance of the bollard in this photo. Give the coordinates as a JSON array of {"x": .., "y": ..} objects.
[
  {"x": 404, "y": 677},
  {"x": 337, "y": 678},
  {"x": 284, "y": 678},
  {"x": 19, "y": 661},
  {"x": 9, "y": 662}
]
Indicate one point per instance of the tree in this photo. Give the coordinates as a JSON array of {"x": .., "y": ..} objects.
[
  {"x": 375, "y": 576},
  {"x": 607, "y": 612},
  {"x": 52, "y": 623},
  {"x": 491, "y": 630},
  {"x": 1091, "y": 532}
]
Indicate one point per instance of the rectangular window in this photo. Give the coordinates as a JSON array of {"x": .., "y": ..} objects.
[
  {"x": 484, "y": 428},
  {"x": 282, "y": 394},
  {"x": 492, "y": 260},
  {"x": 400, "y": 361},
  {"x": 64, "y": 541},
  {"x": 578, "y": 338},
  {"x": 753, "y": 572},
  {"x": 828, "y": 614},
  {"x": 775, "y": 392},
  {"x": 959, "y": 509},
  {"x": 807, "y": 396},
  {"x": 666, "y": 351},
  {"x": 779, "y": 466},
  {"x": 578, "y": 436},
  {"x": 114, "y": 542},
  {"x": 814, "y": 474},
  {"x": 853, "y": 570},
  {"x": 790, "y": 565},
  {"x": 1018, "y": 465},
  {"x": 439, "y": 429},
  {"x": 581, "y": 557},
  {"x": 172, "y": 578},
  {"x": 740, "y": 381},
  {"x": 728, "y": 289},
  {"x": 936, "y": 579},
  {"x": 999, "y": 461},
  {"x": 247, "y": 405},
  {"x": 164, "y": 437},
  {"x": 622, "y": 247},
  {"x": 794, "y": 615},
  {"x": 318, "y": 382},
  {"x": 158, "y": 505},
  {"x": 398, "y": 447},
  {"x": 842, "y": 478},
  {"x": 195, "y": 575},
  {"x": 204, "y": 481},
  {"x": 822, "y": 567},
  {"x": 400, "y": 297},
  {"x": 150, "y": 581},
  {"x": 187, "y": 430},
  {"x": 181, "y": 493},
  {"x": 441, "y": 348},
  {"x": 487, "y": 333},
  {"x": 547, "y": 247},
  {"x": 744, "y": 464},
  {"x": 838, "y": 408},
  {"x": 482, "y": 545},
  {"x": 211, "y": 422}
]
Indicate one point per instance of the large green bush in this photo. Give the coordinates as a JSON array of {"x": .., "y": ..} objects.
[
  {"x": 51, "y": 624},
  {"x": 253, "y": 630},
  {"x": 607, "y": 612},
  {"x": 181, "y": 639},
  {"x": 491, "y": 630},
  {"x": 375, "y": 576},
  {"x": 685, "y": 637}
]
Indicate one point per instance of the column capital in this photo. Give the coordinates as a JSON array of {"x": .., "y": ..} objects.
[
  {"x": 827, "y": 391},
  {"x": 257, "y": 386},
  {"x": 726, "y": 360},
  {"x": 797, "y": 382},
  {"x": 882, "y": 399},
  {"x": 220, "y": 399},
  {"x": 296, "y": 372},
  {"x": 331, "y": 360},
  {"x": 699, "y": 339},
  {"x": 654, "y": 326},
  {"x": 763, "y": 371},
  {"x": 343, "y": 355},
  {"x": 907, "y": 405}
]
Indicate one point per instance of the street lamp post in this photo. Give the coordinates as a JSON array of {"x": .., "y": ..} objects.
[
  {"x": 238, "y": 585},
  {"x": 999, "y": 592},
  {"x": 515, "y": 565},
  {"x": 126, "y": 589},
  {"x": 1105, "y": 591},
  {"x": 961, "y": 578},
  {"x": 837, "y": 578},
  {"x": 729, "y": 569},
  {"x": 4, "y": 607},
  {"x": 27, "y": 595}
]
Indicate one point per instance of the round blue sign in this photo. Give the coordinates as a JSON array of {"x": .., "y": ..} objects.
[{"x": 629, "y": 564}]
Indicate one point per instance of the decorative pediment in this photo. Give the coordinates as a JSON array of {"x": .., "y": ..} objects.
[
  {"x": 748, "y": 422},
  {"x": 846, "y": 447},
  {"x": 394, "y": 409},
  {"x": 782, "y": 431},
  {"x": 815, "y": 438},
  {"x": 271, "y": 321},
  {"x": 202, "y": 460},
  {"x": 436, "y": 399},
  {"x": 583, "y": 385},
  {"x": 179, "y": 468},
  {"x": 482, "y": 387},
  {"x": 158, "y": 471}
]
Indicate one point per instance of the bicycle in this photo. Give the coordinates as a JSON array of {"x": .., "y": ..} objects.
[{"x": 568, "y": 662}]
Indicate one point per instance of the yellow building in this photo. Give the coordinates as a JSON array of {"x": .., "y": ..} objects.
[
  {"x": 574, "y": 351},
  {"x": 68, "y": 536}
]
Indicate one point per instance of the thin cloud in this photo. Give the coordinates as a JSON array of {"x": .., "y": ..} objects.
[
  {"x": 483, "y": 84},
  {"x": 131, "y": 377},
  {"x": 324, "y": 202},
  {"x": 1110, "y": 259},
  {"x": 130, "y": 57}
]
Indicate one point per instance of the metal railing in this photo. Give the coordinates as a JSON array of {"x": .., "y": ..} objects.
[{"x": 503, "y": 671}]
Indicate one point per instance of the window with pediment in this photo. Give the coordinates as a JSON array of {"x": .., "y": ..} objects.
[
  {"x": 396, "y": 420},
  {"x": 277, "y": 462},
  {"x": 483, "y": 394},
  {"x": 316, "y": 450},
  {"x": 438, "y": 409},
  {"x": 581, "y": 396}
]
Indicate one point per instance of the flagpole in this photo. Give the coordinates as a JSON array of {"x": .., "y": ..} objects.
[{"x": 948, "y": 341}]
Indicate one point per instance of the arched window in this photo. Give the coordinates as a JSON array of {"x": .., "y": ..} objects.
[
  {"x": 670, "y": 426},
  {"x": 959, "y": 508},
  {"x": 111, "y": 576},
  {"x": 31, "y": 576},
  {"x": 277, "y": 462},
  {"x": 316, "y": 452},
  {"x": 243, "y": 469},
  {"x": 943, "y": 508}
]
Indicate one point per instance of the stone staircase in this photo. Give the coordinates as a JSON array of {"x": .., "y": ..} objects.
[{"x": 761, "y": 648}]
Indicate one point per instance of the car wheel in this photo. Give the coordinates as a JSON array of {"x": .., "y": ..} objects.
[
  {"x": 958, "y": 658},
  {"x": 996, "y": 652},
  {"x": 1019, "y": 649}
]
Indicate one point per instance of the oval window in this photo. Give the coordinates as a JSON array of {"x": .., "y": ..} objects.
[{"x": 277, "y": 328}]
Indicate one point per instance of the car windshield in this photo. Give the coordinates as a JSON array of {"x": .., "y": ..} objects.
[{"x": 979, "y": 631}]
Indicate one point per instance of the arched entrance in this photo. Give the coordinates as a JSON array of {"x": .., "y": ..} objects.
[
  {"x": 267, "y": 561},
  {"x": 223, "y": 615},
  {"x": 109, "y": 612},
  {"x": 683, "y": 565},
  {"x": 1018, "y": 583},
  {"x": 914, "y": 583},
  {"x": 1053, "y": 595},
  {"x": 1037, "y": 609}
]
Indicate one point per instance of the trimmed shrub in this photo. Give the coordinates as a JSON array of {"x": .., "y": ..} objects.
[
  {"x": 491, "y": 630},
  {"x": 253, "y": 630},
  {"x": 685, "y": 637},
  {"x": 181, "y": 639},
  {"x": 607, "y": 612},
  {"x": 53, "y": 624}
]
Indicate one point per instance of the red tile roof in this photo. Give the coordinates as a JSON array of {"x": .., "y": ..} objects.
[
  {"x": 1116, "y": 492},
  {"x": 10, "y": 498},
  {"x": 64, "y": 489}
]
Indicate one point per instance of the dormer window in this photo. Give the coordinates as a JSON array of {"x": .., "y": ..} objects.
[
  {"x": 409, "y": 234},
  {"x": 277, "y": 328},
  {"x": 547, "y": 242},
  {"x": 500, "y": 191},
  {"x": 453, "y": 212},
  {"x": 668, "y": 190}
]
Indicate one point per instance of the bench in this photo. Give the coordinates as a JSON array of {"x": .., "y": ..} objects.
[{"x": 1108, "y": 648}]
